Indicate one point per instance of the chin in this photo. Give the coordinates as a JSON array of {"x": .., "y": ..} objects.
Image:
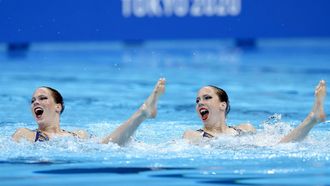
[
  {"x": 205, "y": 121},
  {"x": 40, "y": 122}
]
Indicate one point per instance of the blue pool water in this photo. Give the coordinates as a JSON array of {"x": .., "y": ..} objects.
[{"x": 103, "y": 83}]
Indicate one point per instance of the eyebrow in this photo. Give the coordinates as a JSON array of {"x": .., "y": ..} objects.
[
  {"x": 199, "y": 97},
  {"x": 42, "y": 95}
]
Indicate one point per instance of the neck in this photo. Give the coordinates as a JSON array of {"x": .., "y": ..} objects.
[
  {"x": 216, "y": 127},
  {"x": 50, "y": 127}
]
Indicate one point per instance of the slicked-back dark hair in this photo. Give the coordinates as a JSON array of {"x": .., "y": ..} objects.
[
  {"x": 57, "y": 97},
  {"x": 223, "y": 96}
]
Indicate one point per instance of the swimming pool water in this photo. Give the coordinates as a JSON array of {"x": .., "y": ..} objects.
[{"x": 270, "y": 86}]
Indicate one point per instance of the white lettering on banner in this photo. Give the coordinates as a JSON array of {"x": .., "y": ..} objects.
[{"x": 180, "y": 8}]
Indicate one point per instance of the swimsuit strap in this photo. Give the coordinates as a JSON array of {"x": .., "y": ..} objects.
[
  {"x": 72, "y": 133},
  {"x": 205, "y": 134},
  {"x": 40, "y": 136},
  {"x": 238, "y": 130}
]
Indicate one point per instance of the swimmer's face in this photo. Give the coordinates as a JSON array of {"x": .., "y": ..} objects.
[
  {"x": 208, "y": 104},
  {"x": 43, "y": 107}
]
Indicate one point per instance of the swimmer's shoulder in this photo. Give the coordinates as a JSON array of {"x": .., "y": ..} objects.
[
  {"x": 246, "y": 128},
  {"x": 191, "y": 135},
  {"x": 24, "y": 133},
  {"x": 82, "y": 134}
]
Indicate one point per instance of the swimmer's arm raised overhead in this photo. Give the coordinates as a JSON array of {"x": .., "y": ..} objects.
[
  {"x": 147, "y": 110},
  {"x": 24, "y": 133}
]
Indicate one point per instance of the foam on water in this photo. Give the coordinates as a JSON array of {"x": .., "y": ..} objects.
[{"x": 161, "y": 142}]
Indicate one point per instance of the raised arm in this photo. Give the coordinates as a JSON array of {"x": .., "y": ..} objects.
[{"x": 147, "y": 110}]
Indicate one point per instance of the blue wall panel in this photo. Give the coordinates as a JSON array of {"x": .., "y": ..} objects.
[{"x": 94, "y": 20}]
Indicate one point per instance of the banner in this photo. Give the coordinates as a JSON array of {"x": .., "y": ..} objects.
[{"x": 107, "y": 20}]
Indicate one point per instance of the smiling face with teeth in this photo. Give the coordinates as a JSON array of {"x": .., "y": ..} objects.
[
  {"x": 209, "y": 107},
  {"x": 44, "y": 109}
]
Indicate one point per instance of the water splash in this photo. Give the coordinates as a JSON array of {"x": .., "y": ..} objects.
[{"x": 149, "y": 146}]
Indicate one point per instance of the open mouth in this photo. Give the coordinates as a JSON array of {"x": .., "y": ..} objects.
[
  {"x": 204, "y": 113},
  {"x": 38, "y": 112}
]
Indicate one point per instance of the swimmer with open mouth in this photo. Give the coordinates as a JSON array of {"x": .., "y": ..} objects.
[
  {"x": 212, "y": 106},
  {"x": 47, "y": 106}
]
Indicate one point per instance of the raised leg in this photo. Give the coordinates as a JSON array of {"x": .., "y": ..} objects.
[
  {"x": 317, "y": 115},
  {"x": 147, "y": 110}
]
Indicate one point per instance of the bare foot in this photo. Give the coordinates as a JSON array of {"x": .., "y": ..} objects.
[
  {"x": 149, "y": 107},
  {"x": 318, "y": 111}
]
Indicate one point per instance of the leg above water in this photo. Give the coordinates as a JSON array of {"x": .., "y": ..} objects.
[
  {"x": 149, "y": 107},
  {"x": 317, "y": 115},
  {"x": 147, "y": 110}
]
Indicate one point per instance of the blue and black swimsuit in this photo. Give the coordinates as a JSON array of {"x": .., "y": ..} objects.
[
  {"x": 41, "y": 136},
  {"x": 205, "y": 134},
  {"x": 208, "y": 135},
  {"x": 239, "y": 131}
]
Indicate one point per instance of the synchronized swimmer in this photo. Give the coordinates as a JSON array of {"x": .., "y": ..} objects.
[
  {"x": 47, "y": 105},
  {"x": 212, "y": 106}
]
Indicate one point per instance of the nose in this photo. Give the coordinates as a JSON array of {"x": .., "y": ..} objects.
[
  {"x": 36, "y": 102},
  {"x": 200, "y": 103}
]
